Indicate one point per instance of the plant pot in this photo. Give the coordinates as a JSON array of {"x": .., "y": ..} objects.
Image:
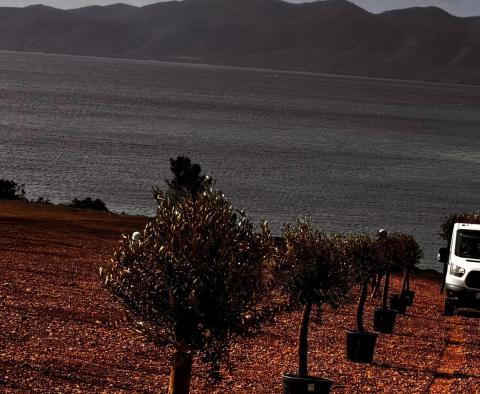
[
  {"x": 384, "y": 320},
  {"x": 361, "y": 346},
  {"x": 398, "y": 304},
  {"x": 294, "y": 385},
  {"x": 408, "y": 295}
]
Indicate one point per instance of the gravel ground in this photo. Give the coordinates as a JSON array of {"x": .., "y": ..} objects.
[{"x": 61, "y": 331}]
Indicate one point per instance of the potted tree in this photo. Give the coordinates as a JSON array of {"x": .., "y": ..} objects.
[
  {"x": 397, "y": 255},
  {"x": 313, "y": 272},
  {"x": 193, "y": 278},
  {"x": 412, "y": 254},
  {"x": 362, "y": 252},
  {"x": 384, "y": 318}
]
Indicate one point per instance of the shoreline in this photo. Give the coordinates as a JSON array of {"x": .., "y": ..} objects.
[{"x": 194, "y": 62}]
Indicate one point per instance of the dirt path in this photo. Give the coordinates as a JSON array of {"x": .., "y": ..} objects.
[{"x": 452, "y": 361}]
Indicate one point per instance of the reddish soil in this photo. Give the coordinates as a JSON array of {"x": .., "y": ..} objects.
[{"x": 62, "y": 331}]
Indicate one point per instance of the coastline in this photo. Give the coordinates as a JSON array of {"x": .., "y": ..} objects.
[{"x": 200, "y": 63}]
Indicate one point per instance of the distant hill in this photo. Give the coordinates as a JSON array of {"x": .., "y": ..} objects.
[{"x": 331, "y": 36}]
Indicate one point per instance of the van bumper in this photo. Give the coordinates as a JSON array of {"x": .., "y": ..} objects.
[{"x": 462, "y": 297}]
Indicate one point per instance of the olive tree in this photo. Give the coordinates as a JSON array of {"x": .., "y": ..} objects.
[
  {"x": 313, "y": 271},
  {"x": 194, "y": 277},
  {"x": 364, "y": 263},
  {"x": 386, "y": 247},
  {"x": 394, "y": 250},
  {"x": 410, "y": 256}
]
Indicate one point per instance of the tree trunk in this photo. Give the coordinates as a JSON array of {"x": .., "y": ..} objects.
[
  {"x": 180, "y": 372},
  {"x": 385, "y": 290},
  {"x": 361, "y": 307},
  {"x": 445, "y": 264},
  {"x": 377, "y": 281},
  {"x": 303, "y": 342},
  {"x": 406, "y": 281}
]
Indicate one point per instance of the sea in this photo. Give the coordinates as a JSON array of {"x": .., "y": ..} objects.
[{"x": 354, "y": 154}]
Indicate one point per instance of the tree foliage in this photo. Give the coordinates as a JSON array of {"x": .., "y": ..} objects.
[
  {"x": 366, "y": 264},
  {"x": 406, "y": 252},
  {"x": 313, "y": 270},
  {"x": 399, "y": 251},
  {"x": 196, "y": 275},
  {"x": 313, "y": 265},
  {"x": 362, "y": 252},
  {"x": 187, "y": 179},
  {"x": 10, "y": 190},
  {"x": 446, "y": 227}
]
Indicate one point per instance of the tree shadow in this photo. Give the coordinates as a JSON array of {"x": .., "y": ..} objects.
[
  {"x": 436, "y": 374},
  {"x": 421, "y": 336},
  {"x": 455, "y": 375},
  {"x": 470, "y": 313},
  {"x": 459, "y": 343},
  {"x": 403, "y": 369}
]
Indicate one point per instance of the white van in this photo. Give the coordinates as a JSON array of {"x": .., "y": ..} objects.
[{"x": 462, "y": 279}]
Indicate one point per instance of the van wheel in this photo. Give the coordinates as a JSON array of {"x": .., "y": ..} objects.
[{"x": 449, "y": 309}]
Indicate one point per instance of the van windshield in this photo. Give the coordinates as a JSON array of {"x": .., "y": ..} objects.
[{"x": 468, "y": 244}]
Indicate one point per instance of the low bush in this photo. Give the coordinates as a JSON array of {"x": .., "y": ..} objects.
[
  {"x": 88, "y": 203},
  {"x": 10, "y": 190},
  {"x": 41, "y": 200}
]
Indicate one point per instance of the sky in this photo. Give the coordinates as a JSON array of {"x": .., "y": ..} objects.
[{"x": 455, "y": 7}]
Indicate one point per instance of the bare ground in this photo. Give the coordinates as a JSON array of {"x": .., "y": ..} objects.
[{"x": 62, "y": 331}]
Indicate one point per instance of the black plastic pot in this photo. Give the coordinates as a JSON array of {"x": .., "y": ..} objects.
[
  {"x": 408, "y": 295},
  {"x": 384, "y": 320},
  {"x": 311, "y": 384},
  {"x": 398, "y": 303},
  {"x": 361, "y": 346}
]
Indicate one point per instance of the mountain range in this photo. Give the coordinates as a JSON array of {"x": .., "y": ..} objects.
[{"x": 332, "y": 36}]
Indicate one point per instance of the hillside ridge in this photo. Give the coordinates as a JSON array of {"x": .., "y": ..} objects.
[{"x": 332, "y": 36}]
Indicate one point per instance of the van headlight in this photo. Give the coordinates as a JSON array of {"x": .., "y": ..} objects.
[{"x": 456, "y": 270}]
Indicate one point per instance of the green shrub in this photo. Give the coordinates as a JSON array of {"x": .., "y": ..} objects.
[
  {"x": 42, "y": 200},
  {"x": 10, "y": 190},
  {"x": 88, "y": 203},
  {"x": 446, "y": 227}
]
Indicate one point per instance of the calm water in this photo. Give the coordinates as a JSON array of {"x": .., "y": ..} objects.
[{"x": 353, "y": 153}]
